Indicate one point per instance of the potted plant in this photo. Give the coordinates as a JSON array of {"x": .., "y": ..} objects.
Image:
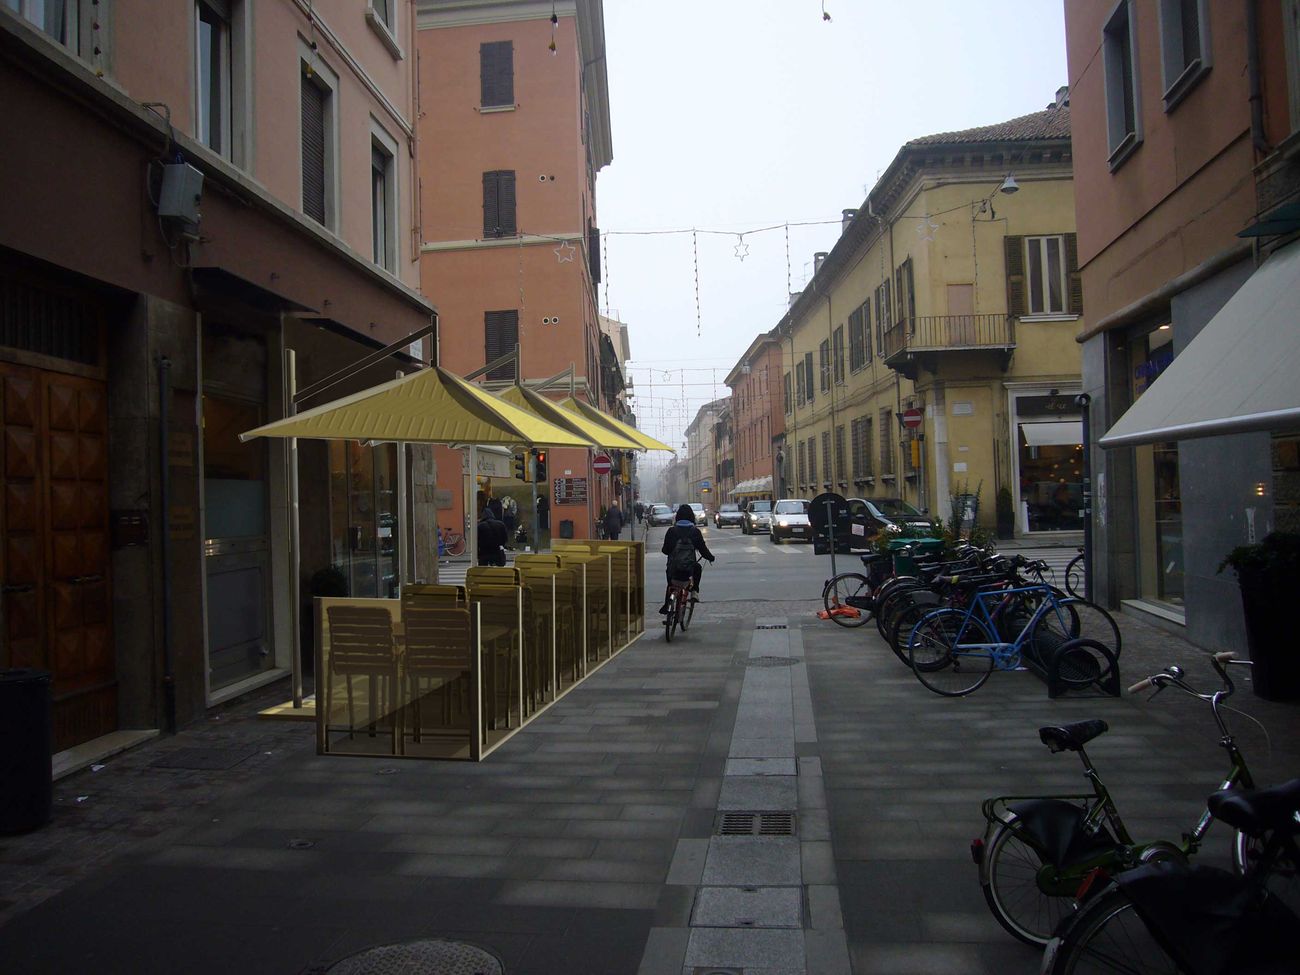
[
  {"x": 1006, "y": 513},
  {"x": 1267, "y": 572}
]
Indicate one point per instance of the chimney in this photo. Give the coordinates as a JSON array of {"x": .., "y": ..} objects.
[
  {"x": 848, "y": 216},
  {"x": 818, "y": 260},
  {"x": 1063, "y": 96}
]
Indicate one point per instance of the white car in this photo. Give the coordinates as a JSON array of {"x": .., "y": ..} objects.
[{"x": 790, "y": 520}]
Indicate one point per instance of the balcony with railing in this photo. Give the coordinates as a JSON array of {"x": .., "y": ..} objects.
[{"x": 914, "y": 343}]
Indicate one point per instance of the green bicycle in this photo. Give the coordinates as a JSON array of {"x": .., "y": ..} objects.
[{"x": 1038, "y": 854}]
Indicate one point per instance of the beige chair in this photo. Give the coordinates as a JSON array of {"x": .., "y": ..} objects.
[
  {"x": 491, "y": 575},
  {"x": 435, "y": 593},
  {"x": 439, "y": 643},
  {"x": 361, "y": 645}
]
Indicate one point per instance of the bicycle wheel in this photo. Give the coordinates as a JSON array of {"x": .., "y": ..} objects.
[
  {"x": 933, "y": 649},
  {"x": 1106, "y": 935},
  {"x": 456, "y": 546},
  {"x": 1012, "y": 890},
  {"x": 904, "y": 619},
  {"x": 887, "y": 604},
  {"x": 1074, "y": 578},
  {"x": 837, "y": 592},
  {"x": 687, "y": 611},
  {"x": 670, "y": 621},
  {"x": 1074, "y": 619}
]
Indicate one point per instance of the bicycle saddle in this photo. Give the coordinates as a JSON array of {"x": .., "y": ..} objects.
[
  {"x": 871, "y": 558},
  {"x": 1259, "y": 810},
  {"x": 1072, "y": 737}
]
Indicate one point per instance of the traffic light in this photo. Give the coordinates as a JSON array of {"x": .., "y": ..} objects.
[
  {"x": 539, "y": 466},
  {"x": 521, "y": 466}
]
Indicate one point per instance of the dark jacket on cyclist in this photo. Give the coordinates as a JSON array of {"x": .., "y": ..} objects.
[
  {"x": 491, "y": 539},
  {"x": 684, "y": 529}
]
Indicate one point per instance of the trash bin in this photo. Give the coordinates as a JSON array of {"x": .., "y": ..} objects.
[
  {"x": 566, "y": 528},
  {"x": 26, "y": 739}
]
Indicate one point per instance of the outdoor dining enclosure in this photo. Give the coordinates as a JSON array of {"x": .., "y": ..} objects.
[{"x": 450, "y": 672}]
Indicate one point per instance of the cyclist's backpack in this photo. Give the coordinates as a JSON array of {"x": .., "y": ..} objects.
[{"x": 681, "y": 560}]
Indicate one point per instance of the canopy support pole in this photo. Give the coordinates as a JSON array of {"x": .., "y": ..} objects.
[
  {"x": 370, "y": 360},
  {"x": 471, "y": 504},
  {"x": 405, "y": 528},
  {"x": 295, "y": 541}
]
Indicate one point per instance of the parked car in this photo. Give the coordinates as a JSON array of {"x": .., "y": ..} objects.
[
  {"x": 876, "y": 513},
  {"x": 758, "y": 517},
  {"x": 659, "y": 514},
  {"x": 701, "y": 516},
  {"x": 790, "y": 520},
  {"x": 729, "y": 516}
]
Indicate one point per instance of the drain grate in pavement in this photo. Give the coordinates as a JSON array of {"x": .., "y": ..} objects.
[
  {"x": 755, "y": 824},
  {"x": 212, "y": 759},
  {"x": 773, "y": 661},
  {"x": 714, "y": 970},
  {"x": 409, "y": 957},
  {"x": 771, "y": 626}
]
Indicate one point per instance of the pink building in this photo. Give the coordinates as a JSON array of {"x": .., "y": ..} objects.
[{"x": 758, "y": 419}]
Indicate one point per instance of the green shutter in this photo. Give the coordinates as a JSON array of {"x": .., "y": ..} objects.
[
  {"x": 1074, "y": 278},
  {"x": 1015, "y": 255}
]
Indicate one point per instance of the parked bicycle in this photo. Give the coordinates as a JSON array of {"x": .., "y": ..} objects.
[
  {"x": 1039, "y": 852},
  {"x": 1172, "y": 917},
  {"x": 450, "y": 542},
  {"x": 1075, "y": 577},
  {"x": 682, "y": 598},
  {"x": 953, "y": 651}
]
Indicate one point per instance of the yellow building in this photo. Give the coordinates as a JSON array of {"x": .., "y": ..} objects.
[{"x": 954, "y": 291}]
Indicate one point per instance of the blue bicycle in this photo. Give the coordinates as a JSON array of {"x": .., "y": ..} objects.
[{"x": 1067, "y": 641}]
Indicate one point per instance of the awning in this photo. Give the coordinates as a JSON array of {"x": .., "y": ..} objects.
[
  {"x": 429, "y": 406},
  {"x": 604, "y": 419},
  {"x": 537, "y": 404},
  {"x": 1055, "y": 433},
  {"x": 755, "y": 485},
  {"x": 1238, "y": 375}
]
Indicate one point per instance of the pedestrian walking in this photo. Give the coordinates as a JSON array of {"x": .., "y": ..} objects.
[
  {"x": 613, "y": 521},
  {"x": 491, "y": 538},
  {"x": 639, "y": 510}
]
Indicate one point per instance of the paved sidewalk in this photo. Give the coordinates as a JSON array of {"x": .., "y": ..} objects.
[{"x": 593, "y": 841}]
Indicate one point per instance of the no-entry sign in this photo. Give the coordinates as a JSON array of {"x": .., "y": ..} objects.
[
  {"x": 601, "y": 464},
  {"x": 912, "y": 419}
]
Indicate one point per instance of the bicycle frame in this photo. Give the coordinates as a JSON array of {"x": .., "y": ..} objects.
[{"x": 1005, "y": 655}]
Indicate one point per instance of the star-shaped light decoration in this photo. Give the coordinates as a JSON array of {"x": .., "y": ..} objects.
[
  {"x": 565, "y": 252},
  {"x": 742, "y": 249},
  {"x": 926, "y": 230}
]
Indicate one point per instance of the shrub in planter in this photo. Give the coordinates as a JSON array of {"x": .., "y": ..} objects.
[{"x": 1267, "y": 574}]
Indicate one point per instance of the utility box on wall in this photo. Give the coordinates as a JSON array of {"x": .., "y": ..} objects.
[{"x": 181, "y": 193}]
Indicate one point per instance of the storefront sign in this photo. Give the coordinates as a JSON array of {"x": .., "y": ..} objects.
[
  {"x": 570, "y": 490},
  {"x": 490, "y": 463},
  {"x": 1046, "y": 405}
]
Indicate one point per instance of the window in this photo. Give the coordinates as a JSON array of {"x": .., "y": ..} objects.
[
  {"x": 212, "y": 90},
  {"x": 383, "y": 199},
  {"x": 826, "y": 458},
  {"x": 905, "y": 295},
  {"x": 837, "y": 355},
  {"x": 1184, "y": 46},
  {"x": 1118, "y": 43},
  {"x": 500, "y": 336},
  {"x": 861, "y": 432},
  {"x": 824, "y": 364},
  {"x": 1043, "y": 276},
  {"x": 839, "y": 453},
  {"x": 860, "y": 336},
  {"x": 886, "y": 446},
  {"x": 812, "y": 461},
  {"x": 808, "y": 375},
  {"x": 803, "y": 465},
  {"x": 884, "y": 316},
  {"x": 317, "y": 87},
  {"x": 499, "y": 204},
  {"x": 67, "y": 21},
  {"x": 496, "y": 74},
  {"x": 798, "y": 375}
]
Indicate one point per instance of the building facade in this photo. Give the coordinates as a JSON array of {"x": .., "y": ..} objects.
[
  {"x": 514, "y": 128},
  {"x": 952, "y": 297},
  {"x": 193, "y": 190},
  {"x": 702, "y": 456},
  {"x": 758, "y": 417},
  {"x": 1186, "y": 121}
]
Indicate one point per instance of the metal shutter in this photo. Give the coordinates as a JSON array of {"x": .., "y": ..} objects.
[
  {"x": 313, "y": 149},
  {"x": 500, "y": 335},
  {"x": 499, "y": 204},
  {"x": 496, "y": 74}
]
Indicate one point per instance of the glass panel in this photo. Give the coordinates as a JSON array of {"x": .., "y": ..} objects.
[
  {"x": 212, "y": 78},
  {"x": 234, "y": 473},
  {"x": 387, "y": 526},
  {"x": 1035, "y": 269},
  {"x": 1055, "y": 301},
  {"x": 378, "y": 207},
  {"x": 1169, "y": 523},
  {"x": 362, "y": 534},
  {"x": 1159, "y": 498}
]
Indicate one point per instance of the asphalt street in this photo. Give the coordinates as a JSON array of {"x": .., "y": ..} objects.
[{"x": 769, "y": 794}]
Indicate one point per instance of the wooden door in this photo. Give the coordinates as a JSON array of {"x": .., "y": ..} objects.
[{"x": 54, "y": 542}]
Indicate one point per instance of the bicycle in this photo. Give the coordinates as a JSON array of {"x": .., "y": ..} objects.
[
  {"x": 1038, "y": 853},
  {"x": 1173, "y": 917},
  {"x": 953, "y": 651},
  {"x": 682, "y": 597},
  {"x": 1074, "y": 577},
  {"x": 450, "y": 542}
]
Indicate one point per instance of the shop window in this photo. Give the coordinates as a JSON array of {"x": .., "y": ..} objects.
[
  {"x": 1049, "y": 437},
  {"x": 363, "y": 516},
  {"x": 1157, "y": 485}
]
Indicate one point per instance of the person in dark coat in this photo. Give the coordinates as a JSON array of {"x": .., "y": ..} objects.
[
  {"x": 613, "y": 521},
  {"x": 491, "y": 539},
  {"x": 684, "y": 531},
  {"x": 639, "y": 510}
]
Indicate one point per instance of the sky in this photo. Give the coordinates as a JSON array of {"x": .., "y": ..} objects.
[{"x": 731, "y": 116}]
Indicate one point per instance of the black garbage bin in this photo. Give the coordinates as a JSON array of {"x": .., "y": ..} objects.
[
  {"x": 1270, "y": 636},
  {"x": 26, "y": 739}
]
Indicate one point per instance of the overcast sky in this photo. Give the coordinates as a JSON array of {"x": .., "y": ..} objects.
[{"x": 736, "y": 115}]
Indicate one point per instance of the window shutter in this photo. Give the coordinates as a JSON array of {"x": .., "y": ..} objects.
[
  {"x": 593, "y": 253},
  {"x": 507, "y": 203},
  {"x": 313, "y": 150},
  {"x": 1073, "y": 278},
  {"x": 808, "y": 375},
  {"x": 496, "y": 74},
  {"x": 500, "y": 334},
  {"x": 1015, "y": 254},
  {"x": 499, "y": 203},
  {"x": 866, "y": 331},
  {"x": 491, "y": 206}
]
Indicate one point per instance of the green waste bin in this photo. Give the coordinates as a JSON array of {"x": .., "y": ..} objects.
[
  {"x": 905, "y": 564},
  {"x": 26, "y": 739}
]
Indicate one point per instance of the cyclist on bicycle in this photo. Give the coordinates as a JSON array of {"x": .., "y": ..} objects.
[{"x": 681, "y": 542}]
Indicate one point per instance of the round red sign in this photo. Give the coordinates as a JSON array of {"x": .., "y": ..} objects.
[
  {"x": 912, "y": 419},
  {"x": 601, "y": 464}
]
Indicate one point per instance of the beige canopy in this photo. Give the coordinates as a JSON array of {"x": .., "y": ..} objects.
[{"x": 579, "y": 408}]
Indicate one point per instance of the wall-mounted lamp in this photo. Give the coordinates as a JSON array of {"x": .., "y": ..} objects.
[{"x": 1009, "y": 185}]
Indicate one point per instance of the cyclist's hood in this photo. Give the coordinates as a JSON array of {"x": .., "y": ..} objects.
[{"x": 685, "y": 523}]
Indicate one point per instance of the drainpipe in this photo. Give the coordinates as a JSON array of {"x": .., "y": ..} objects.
[
  {"x": 165, "y": 491},
  {"x": 1252, "y": 72}
]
